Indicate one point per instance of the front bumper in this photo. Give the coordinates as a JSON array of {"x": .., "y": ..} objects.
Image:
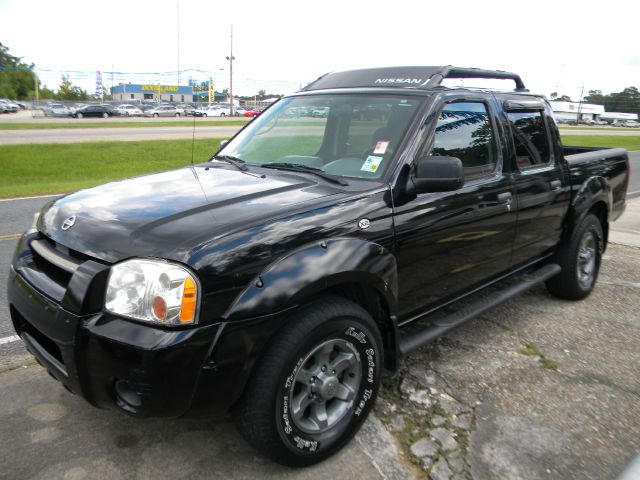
[
  {"x": 110, "y": 361},
  {"x": 139, "y": 369}
]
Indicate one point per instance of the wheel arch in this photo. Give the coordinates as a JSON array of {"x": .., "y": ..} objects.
[
  {"x": 352, "y": 268},
  {"x": 594, "y": 196}
]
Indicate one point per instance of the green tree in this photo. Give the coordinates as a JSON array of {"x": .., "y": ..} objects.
[
  {"x": 16, "y": 77},
  {"x": 67, "y": 91},
  {"x": 596, "y": 97}
]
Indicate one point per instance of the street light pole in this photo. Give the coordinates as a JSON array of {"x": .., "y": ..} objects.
[{"x": 231, "y": 58}]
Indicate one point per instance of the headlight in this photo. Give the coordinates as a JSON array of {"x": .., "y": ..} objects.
[{"x": 153, "y": 291}]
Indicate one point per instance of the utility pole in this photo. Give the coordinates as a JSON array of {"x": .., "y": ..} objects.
[
  {"x": 231, "y": 58},
  {"x": 178, "y": 24},
  {"x": 579, "y": 105},
  {"x": 35, "y": 79}
]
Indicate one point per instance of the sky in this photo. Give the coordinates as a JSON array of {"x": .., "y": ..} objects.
[{"x": 279, "y": 46}]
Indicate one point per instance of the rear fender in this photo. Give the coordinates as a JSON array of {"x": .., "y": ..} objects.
[
  {"x": 314, "y": 268},
  {"x": 594, "y": 190}
]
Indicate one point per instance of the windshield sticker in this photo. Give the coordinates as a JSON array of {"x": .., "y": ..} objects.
[
  {"x": 371, "y": 164},
  {"x": 381, "y": 147}
]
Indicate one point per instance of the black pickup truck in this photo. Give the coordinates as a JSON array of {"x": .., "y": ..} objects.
[{"x": 276, "y": 280}]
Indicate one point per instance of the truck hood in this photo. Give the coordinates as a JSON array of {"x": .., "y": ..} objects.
[{"x": 169, "y": 214}]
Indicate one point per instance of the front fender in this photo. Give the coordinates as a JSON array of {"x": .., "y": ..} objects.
[{"x": 314, "y": 268}]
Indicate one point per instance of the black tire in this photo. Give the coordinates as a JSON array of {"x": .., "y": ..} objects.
[
  {"x": 222, "y": 114},
  {"x": 580, "y": 259},
  {"x": 266, "y": 417}
]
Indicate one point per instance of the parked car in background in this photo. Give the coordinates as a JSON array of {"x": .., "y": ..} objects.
[
  {"x": 252, "y": 113},
  {"x": 216, "y": 111},
  {"x": 7, "y": 106},
  {"x": 190, "y": 110},
  {"x": 630, "y": 123},
  {"x": 239, "y": 111},
  {"x": 320, "y": 112},
  {"x": 74, "y": 108},
  {"x": 104, "y": 111},
  {"x": 56, "y": 110},
  {"x": 164, "y": 111},
  {"x": 127, "y": 110}
]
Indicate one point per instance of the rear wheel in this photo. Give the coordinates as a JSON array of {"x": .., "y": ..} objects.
[
  {"x": 315, "y": 385},
  {"x": 222, "y": 114},
  {"x": 105, "y": 115},
  {"x": 580, "y": 261},
  {"x": 155, "y": 115},
  {"x": 177, "y": 114},
  {"x": 79, "y": 115}
]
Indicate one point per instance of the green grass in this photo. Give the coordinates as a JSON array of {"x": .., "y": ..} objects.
[
  {"x": 611, "y": 141},
  {"x": 603, "y": 128},
  {"x": 531, "y": 348},
  {"x": 60, "y": 168},
  {"x": 200, "y": 122}
]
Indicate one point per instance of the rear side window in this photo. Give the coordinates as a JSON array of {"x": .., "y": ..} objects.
[
  {"x": 530, "y": 139},
  {"x": 464, "y": 131}
]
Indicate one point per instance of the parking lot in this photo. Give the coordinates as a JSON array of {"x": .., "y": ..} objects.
[{"x": 536, "y": 388}]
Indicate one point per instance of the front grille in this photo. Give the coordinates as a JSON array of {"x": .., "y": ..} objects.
[{"x": 50, "y": 266}]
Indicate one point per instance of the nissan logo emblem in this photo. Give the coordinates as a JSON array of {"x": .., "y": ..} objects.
[{"x": 68, "y": 223}]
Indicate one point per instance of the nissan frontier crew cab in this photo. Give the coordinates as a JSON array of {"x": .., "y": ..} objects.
[{"x": 278, "y": 279}]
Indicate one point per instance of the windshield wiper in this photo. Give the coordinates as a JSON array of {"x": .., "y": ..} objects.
[
  {"x": 235, "y": 161},
  {"x": 296, "y": 167}
]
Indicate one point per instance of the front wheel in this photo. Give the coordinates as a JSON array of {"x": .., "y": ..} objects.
[
  {"x": 79, "y": 115},
  {"x": 222, "y": 114},
  {"x": 155, "y": 115},
  {"x": 105, "y": 115},
  {"x": 316, "y": 384},
  {"x": 580, "y": 261},
  {"x": 177, "y": 114}
]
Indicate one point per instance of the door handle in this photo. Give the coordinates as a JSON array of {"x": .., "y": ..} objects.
[
  {"x": 505, "y": 198},
  {"x": 555, "y": 185}
]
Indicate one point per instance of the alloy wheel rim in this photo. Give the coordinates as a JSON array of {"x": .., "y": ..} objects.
[
  {"x": 586, "y": 265},
  {"x": 324, "y": 386}
]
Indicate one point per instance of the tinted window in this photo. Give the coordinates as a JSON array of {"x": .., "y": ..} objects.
[
  {"x": 530, "y": 138},
  {"x": 464, "y": 131}
]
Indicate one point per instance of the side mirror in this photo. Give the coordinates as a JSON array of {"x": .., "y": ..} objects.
[
  {"x": 436, "y": 174},
  {"x": 223, "y": 143}
]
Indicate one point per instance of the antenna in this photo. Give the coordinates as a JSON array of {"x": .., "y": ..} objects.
[{"x": 193, "y": 136}]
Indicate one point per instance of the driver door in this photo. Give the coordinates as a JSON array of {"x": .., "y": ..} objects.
[{"x": 449, "y": 242}]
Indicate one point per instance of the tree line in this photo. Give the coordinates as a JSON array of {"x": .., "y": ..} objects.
[
  {"x": 18, "y": 81},
  {"x": 626, "y": 101}
]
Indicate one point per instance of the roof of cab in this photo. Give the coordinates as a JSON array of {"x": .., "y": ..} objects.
[{"x": 422, "y": 78}]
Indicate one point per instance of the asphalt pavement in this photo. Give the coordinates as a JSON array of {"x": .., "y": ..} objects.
[{"x": 54, "y": 434}]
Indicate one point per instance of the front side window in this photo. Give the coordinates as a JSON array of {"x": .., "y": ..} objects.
[
  {"x": 343, "y": 135},
  {"x": 530, "y": 139},
  {"x": 464, "y": 131}
]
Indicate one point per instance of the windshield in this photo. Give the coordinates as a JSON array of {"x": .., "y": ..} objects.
[{"x": 343, "y": 135}]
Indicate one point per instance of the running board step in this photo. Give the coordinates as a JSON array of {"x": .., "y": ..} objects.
[{"x": 416, "y": 340}]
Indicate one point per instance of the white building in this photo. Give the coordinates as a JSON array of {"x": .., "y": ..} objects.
[
  {"x": 570, "y": 111},
  {"x": 587, "y": 111}
]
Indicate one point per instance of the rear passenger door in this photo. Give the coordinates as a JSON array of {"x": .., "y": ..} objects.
[
  {"x": 447, "y": 243},
  {"x": 542, "y": 198}
]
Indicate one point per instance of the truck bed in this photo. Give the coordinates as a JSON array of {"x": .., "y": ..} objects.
[{"x": 598, "y": 163}]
